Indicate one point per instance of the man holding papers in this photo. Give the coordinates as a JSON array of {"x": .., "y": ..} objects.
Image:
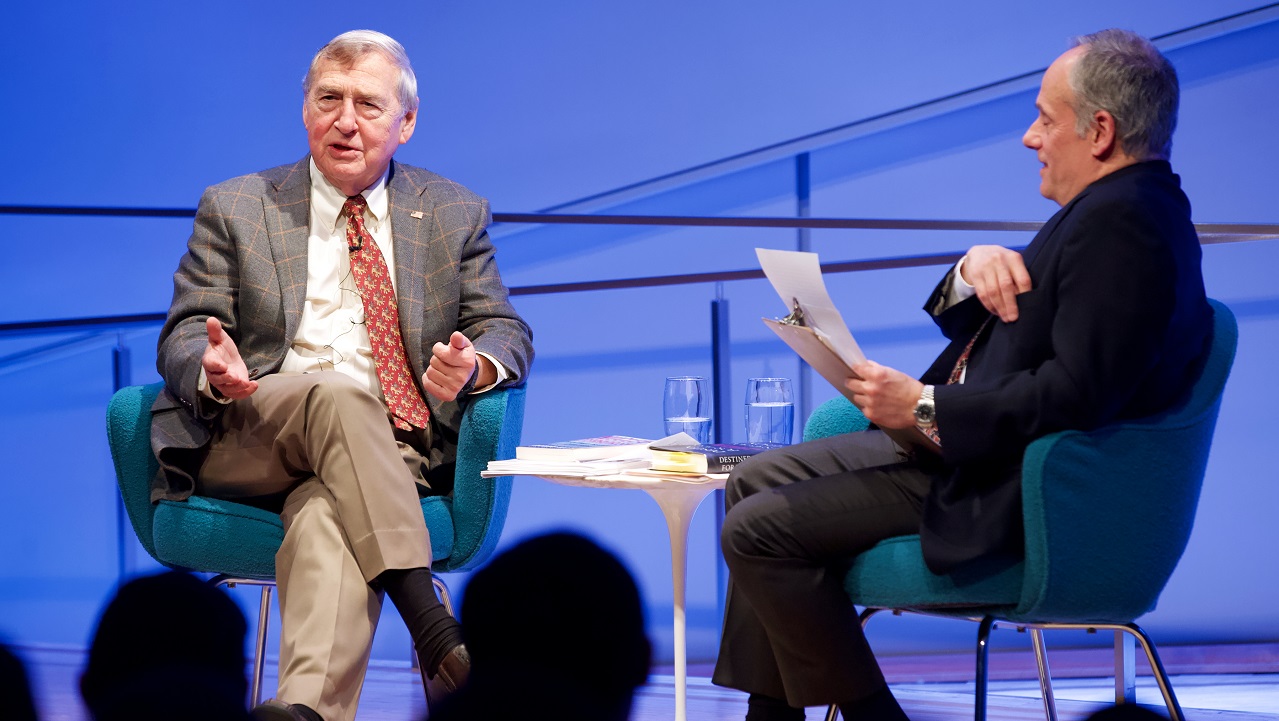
[{"x": 1101, "y": 318}]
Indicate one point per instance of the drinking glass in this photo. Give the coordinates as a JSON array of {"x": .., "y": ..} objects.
[
  {"x": 770, "y": 411},
  {"x": 686, "y": 405}
]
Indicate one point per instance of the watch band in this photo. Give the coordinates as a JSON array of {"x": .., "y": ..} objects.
[{"x": 925, "y": 408}]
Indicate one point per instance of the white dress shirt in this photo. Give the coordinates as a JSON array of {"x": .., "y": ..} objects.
[
  {"x": 331, "y": 334},
  {"x": 959, "y": 288}
]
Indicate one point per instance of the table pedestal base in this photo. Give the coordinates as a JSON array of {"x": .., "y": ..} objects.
[{"x": 678, "y": 506}]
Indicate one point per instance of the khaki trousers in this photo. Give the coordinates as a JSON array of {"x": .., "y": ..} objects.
[{"x": 351, "y": 512}]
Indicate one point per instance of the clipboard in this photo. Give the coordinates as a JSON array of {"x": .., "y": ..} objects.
[{"x": 812, "y": 346}]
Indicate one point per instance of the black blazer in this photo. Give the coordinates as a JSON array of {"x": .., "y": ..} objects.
[{"x": 1113, "y": 328}]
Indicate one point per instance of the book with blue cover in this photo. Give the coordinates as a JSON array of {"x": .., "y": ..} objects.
[{"x": 583, "y": 449}]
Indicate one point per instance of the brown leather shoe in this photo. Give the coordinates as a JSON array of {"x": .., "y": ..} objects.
[{"x": 449, "y": 677}]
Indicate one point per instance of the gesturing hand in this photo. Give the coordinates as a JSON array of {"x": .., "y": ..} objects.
[
  {"x": 887, "y": 397},
  {"x": 998, "y": 274},
  {"x": 451, "y": 367},
  {"x": 223, "y": 367}
]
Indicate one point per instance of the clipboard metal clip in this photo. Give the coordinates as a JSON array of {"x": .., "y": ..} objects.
[{"x": 796, "y": 316}]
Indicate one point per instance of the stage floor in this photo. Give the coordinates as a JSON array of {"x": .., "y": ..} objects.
[{"x": 394, "y": 693}]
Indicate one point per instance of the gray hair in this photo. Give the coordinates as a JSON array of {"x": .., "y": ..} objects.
[
  {"x": 1124, "y": 74},
  {"x": 355, "y": 44}
]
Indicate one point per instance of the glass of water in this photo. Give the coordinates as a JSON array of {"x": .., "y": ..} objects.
[
  {"x": 686, "y": 405},
  {"x": 770, "y": 411}
]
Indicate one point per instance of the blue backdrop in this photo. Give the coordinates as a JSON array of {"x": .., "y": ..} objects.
[{"x": 145, "y": 104}]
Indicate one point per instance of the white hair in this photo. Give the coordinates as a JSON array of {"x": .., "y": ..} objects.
[{"x": 354, "y": 44}]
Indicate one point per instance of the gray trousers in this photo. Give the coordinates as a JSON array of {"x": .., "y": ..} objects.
[
  {"x": 795, "y": 516},
  {"x": 351, "y": 512}
]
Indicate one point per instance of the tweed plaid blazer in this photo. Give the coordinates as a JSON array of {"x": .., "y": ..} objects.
[{"x": 246, "y": 264}]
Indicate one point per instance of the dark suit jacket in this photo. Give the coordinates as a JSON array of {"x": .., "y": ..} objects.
[
  {"x": 246, "y": 264},
  {"x": 1113, "y": 328}
]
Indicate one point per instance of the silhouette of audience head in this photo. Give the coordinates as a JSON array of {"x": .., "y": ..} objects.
[
  {"x": 15, "y": 688},
  {"x": 167, "y": 646},
  {"x": 1126, "y": 712},
  {"x": 555, "y": 629}
]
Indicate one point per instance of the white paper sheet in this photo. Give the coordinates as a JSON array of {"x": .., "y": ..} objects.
[{"x": 797, "y": 276}]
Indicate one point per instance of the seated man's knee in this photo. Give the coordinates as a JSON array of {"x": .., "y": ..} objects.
[
  {"x": 337, "y": 383},
  {"x": 771, "y": 469},
  {"x": 743, "y": 535},
  {"x": 731, "y": 537},
  {"x": 746, "y": 479},
  {"x": 339, "y": 393},
  {"x": 735, "y": 489}
]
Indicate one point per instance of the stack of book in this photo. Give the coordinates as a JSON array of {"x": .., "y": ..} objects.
[{"x": 584, "y": 457}]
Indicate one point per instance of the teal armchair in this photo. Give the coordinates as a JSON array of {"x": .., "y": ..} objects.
[
  {"x": 1107, "y": 515},
  {"x": 238, "y": 542}
]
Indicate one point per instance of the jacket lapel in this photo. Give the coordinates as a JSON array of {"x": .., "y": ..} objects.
[
  {"x": 412, "y": 213},
  {"x": 288, "y": 220}
]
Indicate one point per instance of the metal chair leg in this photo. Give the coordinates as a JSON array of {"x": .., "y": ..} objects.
[
  {"x": 1045, "y": 675},
  {"x": 1125, "y": 668},
  {"x": 264, "y": 618},
  {"x": 1157, "y": 668},
  {"x": 442, "y": 590},
  {"x": 259, "y": 648},
  {"x": 868, "y": 613},
  {"x": 983, "y": 653}
]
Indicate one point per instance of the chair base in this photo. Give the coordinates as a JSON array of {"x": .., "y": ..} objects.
[{"x": 1125, "y": 666}]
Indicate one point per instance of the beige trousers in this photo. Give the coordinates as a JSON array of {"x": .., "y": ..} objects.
[{"x": 351, "y": 512}]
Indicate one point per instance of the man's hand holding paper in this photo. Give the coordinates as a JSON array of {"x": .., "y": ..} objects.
[{"x": 886, "y": 396}]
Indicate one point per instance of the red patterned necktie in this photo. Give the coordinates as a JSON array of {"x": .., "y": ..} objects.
[
  {"x": 382, "y": 320},
  {"x": 957, "y": 373}
]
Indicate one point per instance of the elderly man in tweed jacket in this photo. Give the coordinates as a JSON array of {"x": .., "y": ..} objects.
[{"x": 306, "y": 290}]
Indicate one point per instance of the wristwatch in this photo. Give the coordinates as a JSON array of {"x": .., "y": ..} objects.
[{"x": 925, "y": 411}]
